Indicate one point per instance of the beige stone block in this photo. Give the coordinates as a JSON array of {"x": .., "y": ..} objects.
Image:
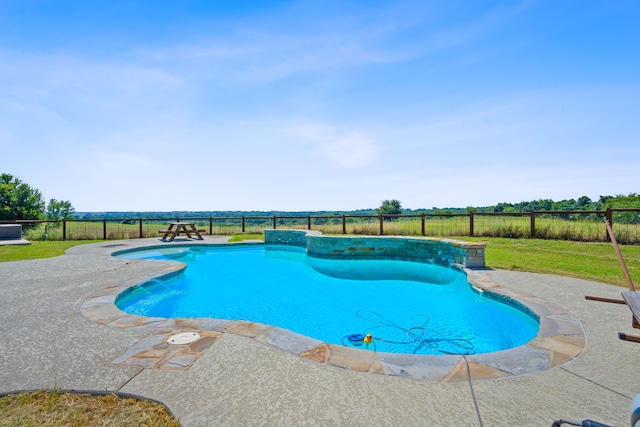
[
  {"x": 376, "y": 367},
  {"x": 477, "y": 371},
  {"x": 557, "y": 359},
  {"x": 247, "y": 329},
  {"x": 344, "y": 357},
  {"x": 555, "y": 345},
  {"x": 317, "y": 354},
  {"x": 188, "y": 323}
]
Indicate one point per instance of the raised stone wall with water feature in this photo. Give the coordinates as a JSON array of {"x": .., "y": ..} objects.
[
  {"x": 289, "y": 237},
  {"x": 439, "y": 251}
]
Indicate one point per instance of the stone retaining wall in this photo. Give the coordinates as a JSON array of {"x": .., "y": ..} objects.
[{"x": 439, "y": 251}]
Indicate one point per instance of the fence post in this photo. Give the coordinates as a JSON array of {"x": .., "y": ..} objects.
[
  {"x": 309, "y": 222},
  {"x": 344, "y": 224},
  {"x": 64, "y": 229},
  {"x": 471, "y": 216},
  {"x": 104, "y": 229},
  {"x": 423, "y": 224},
  {"x": 533, "y": 225},
  {"x": 609, "y": 216},
  {"x": 381, "y": 226},
  {"x": 243, "y": 224},
  {"x": 140, "y": 226},
  {"x": 274, "y": 222},
  {"x": 210, "y": 226}
]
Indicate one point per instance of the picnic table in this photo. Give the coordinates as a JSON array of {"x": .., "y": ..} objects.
[{"x": 177, "y": 228}]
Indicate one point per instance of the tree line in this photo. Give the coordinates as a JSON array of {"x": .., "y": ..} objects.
[
  {"x": 18, "y": 200},
  {"x": 582, "y": 203},
  {"x": 394, "y": 207}
]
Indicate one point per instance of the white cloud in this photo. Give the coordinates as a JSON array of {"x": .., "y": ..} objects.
[
  {"x": 345, "y": 149},
  {"x": 66, "y": 72},
  {"x": 352, "y": 149},
  {"x": 254, "y": 50},
  {"x": 263, "y": 57},
  {"x": 479, "y": 27}
]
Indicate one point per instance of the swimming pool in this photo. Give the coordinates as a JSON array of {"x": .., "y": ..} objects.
[{"x": 407, "y": 307}]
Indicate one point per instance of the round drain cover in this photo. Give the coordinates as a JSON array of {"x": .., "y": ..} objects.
[{"x": 184, "y": 338}]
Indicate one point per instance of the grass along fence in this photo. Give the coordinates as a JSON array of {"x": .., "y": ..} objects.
[{"x": 585, "y": 226}]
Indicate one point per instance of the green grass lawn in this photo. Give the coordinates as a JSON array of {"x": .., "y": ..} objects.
[
  {"x": 246, "y": 236},
  {"x": 38, "y": 249},
  {"x": 590, "y": 261}
]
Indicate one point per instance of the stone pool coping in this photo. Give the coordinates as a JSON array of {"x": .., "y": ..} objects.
[{"x": 560, "y": 338}]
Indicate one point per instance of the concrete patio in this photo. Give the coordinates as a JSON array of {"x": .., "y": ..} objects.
[{"x": 46, "y": 342}]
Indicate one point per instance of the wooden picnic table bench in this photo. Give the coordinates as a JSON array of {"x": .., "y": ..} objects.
[
  {"x": 177, "y": 228},
  {"x": 632, "y": 298}
]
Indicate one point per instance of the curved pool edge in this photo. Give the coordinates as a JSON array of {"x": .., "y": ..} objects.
[{"x": 559, "y": 341}]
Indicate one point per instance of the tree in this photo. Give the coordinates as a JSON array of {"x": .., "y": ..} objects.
[
  {"x": 542, "y": 205},
  {"x": 18, "y": 200},
  {"x": 58, "y": 210},
  {"x": 584, "y": 201},
  {"x": 604, "y": 199},
  {"x": 622, "y": 202},
  {"x": 390, "y": 207}
]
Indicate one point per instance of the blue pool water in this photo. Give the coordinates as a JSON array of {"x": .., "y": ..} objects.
[{"x": 408, "y": 307}]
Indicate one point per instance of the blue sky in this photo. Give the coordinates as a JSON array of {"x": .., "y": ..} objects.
[{"x": 319, "y": 105}]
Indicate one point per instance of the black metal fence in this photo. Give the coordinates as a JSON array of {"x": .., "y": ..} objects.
[{"x": 564, "y": 225}]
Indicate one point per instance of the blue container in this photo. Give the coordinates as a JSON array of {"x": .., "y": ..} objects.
[{"x": 356, "y": 339}]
